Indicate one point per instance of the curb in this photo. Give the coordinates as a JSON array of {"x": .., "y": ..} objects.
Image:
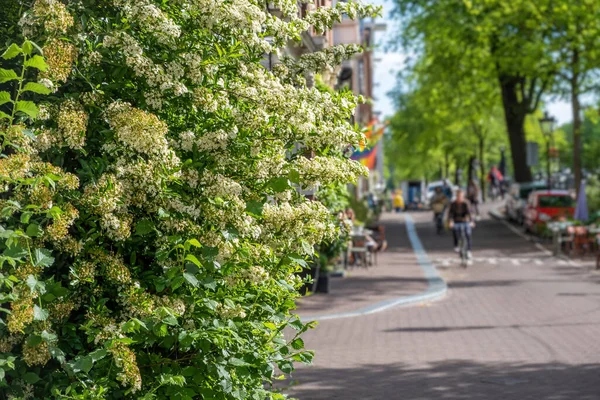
[
  {"x": 500, "y": 216},
  {"x": 496, "y": 214},
  {"x": 437, "y": 287}
]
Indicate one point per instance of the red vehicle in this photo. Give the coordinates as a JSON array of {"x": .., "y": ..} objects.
[{"x": 544, "y": 206}]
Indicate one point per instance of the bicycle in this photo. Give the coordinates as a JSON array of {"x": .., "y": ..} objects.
[{"x": 439, "y": 222}]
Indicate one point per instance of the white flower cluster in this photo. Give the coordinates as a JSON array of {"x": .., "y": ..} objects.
[
  {"x": 150, "y": 18},
  {"x": 52, "y": 13},
  {"x": 286, "y": 224},
  {"x": 72, "y": 124},
  {"x": 208, "y": 100},
  {"x": 244, "y": 17},
  {"x": 323, "y": 18},
  {"x": 143, "y": 67},
  {"x": 320, "y": 61},
  {"x": 328, "y": 170},
  {"x": 229, "y": 312},
  {"x": 142, "y": 182},
  {"x": 186, "y": 208},
  {"x": 310, "y": 116},
  {"x": 256, "y": 275},
  {"x": 208, "y": 141},
  {"x": 217, "y": 185},
  {"x": 138, "y": 130}
]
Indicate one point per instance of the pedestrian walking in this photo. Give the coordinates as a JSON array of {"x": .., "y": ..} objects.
[{"x": 398, "y": 201}]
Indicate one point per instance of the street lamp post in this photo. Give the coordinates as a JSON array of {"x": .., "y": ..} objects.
[{"x": 547, "y": 125}]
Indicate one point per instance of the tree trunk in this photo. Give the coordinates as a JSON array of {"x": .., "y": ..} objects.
[
  {"x": 471, "y": 173},
  {"x": 576, "y": 106},
  {"x": 482, "y": 169},
  {"x": 446, "y": 165},
  {"x": 514, "y": 113},
  {"x": 457, "y": 173}
]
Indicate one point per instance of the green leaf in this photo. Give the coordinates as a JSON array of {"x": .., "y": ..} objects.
[
  {"x": 26, "y": 216},
  {"x": 37, "y": 62},
  {"x": 28, "y": 107},
  {"x": 270, "y": 326},
  {"x": 297, "y": 344},
  {"x": 144, "y": 227},
  {"x": 83, "y": 364},
  {"x": 193, "y": 259},
  {"x": 280, "y": 184},
  {"x": 34, "y": 230},
  {"x": 286, "y": 366},
  {"x": 296, "y": 324},
  {"x": 27, "y": 47},
  {"x": 4, "y": 115},
  {"x": 42, "y": 257},
  {"x": 237, "y": 362},
  {"x": 7, "y": 75},
  {"x": 12, "y": 51},
  {"x": 2, "y": 374},
  {"x": 57, "y": 354},
  {"x": 255, "y": 207},
  {"x": 100, "y": 353},
  {"x": 192, "y": 280},
  {"x": 16, "y": 252},
  {"x": 210, "y": 283},
  {"x": 294, "y": 176},
  {"x": 36, "y": 88},
  {"x": 31, "y": 378},
  {"x": 305, "y": 357},
  {"x": 5, "y": 98},
  {"x": 194, "y": 243},
  {"x": 298, "y": 260},
  {"x": 39, "y": 314},
  {"x": 49, "y": 337},
  {"x": 34, "y": 340}
]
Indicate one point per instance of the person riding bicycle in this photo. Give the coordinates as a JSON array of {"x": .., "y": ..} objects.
[
  {"x": 459, "y": 218},
  {"x": 439, "y": 201},
  {"x": 496, "y": 181},
  {"x": 473, "y": 196}
]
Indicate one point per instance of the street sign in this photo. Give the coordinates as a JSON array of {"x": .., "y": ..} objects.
[{"x": 533, "y": 154}]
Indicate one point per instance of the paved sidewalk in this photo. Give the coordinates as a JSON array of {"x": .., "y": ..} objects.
[
  {"x": 396, "y": 275},
  {"x": 504, "y": 331}
]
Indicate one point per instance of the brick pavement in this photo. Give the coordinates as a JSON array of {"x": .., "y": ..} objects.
[
  {"x": 503, "y": 332},
  {"x": 396, "y": 275}
]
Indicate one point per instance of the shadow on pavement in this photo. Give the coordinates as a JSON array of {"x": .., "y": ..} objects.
[
  {"x": 452, "y": 380},
  {"x": 435, "y": 329}
]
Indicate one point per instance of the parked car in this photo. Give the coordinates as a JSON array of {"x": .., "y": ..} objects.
[
  {"x": 547, "y": 205},
  {"x": 516, "y": 200}
]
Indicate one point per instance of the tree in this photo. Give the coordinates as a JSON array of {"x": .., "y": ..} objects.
[
  {"x": 455, "y": 119},
  {"x": 575, "y": 43},
  {"x": 494, "y": 40},
  {"x": 151, "y": 223}
]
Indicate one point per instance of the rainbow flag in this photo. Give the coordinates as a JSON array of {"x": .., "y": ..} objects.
[
  {"x": 367, "y": 152},
  {"x": 367, "y": 157}
]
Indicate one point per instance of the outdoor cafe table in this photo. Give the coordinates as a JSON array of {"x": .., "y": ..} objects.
[
  {"x": 558, "y": 229},
  {"x": 356, "y": 234}
]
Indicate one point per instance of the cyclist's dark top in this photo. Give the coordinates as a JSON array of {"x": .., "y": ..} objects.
[{"x": 459, "y": 212}]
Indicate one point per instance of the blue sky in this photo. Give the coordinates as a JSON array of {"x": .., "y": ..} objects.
[{"x": 389, "y": 63}]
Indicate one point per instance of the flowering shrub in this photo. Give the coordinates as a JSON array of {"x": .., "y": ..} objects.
[{"x": 151, "y": 223}]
